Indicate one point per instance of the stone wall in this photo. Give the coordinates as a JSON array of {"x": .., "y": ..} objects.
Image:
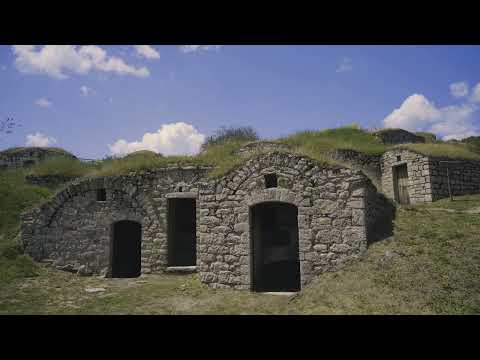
[
  {"x": 261, "y": 146},
  {"x": 331, "y": 217},
  {"x": 428, "y": 176},
  {"x": 398, "y": 136},
  {"x": 464, "y": 177},
  {"x": 27, "y": 157},
  {"x": 369, "y": 164},
  {"x": 50, "y": 181},
  {"x": 74, "y": 229}
]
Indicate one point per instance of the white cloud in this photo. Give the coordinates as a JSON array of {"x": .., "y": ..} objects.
[
  {"x": 147, "y": 51},
  {"x": 39, "y": 140},
  {"x": 171, "y": 139},
  {"x": 195, "y": 48},
  {"x": 459, "y": 89},
  {"x": 86, "y": 91},
  {"x": 476, "y": 94},
  {"x": 43, "y": 103},
  {"x": 345, "y": 65},
  {"x": 418, "y": 114},
  {"x": 55, "y": 60}
]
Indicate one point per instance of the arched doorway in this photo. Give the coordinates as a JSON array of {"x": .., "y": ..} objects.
[
  {"x": 126, "y": 249},
  {"x": 274, "y": 247}
]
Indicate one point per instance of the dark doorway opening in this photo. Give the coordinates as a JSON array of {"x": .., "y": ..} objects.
[
  {"x": 182, "y": 235},
  {"x": 400, "y": 184},
  {"x": 274, "y": 243},
  {"x": 126, "y": 249}
]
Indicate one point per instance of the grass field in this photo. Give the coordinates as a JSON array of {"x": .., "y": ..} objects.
[{"x": 429, "y": 266}]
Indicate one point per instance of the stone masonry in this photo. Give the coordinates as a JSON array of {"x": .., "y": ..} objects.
[
  {"x": 427, "y": 176},
  {"x": 74, "y": 229},
  {"x": 398, "y": 136}
]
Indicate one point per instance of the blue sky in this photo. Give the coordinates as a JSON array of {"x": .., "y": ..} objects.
[{"x": 101, "y": 100}]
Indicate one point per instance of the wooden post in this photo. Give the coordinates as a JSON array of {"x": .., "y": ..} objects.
[{"x": 449, "y": 187}]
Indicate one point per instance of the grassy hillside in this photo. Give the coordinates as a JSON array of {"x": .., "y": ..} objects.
[
  {"x": 15, "y": 197},
  {"x": 429, "y": 266}
]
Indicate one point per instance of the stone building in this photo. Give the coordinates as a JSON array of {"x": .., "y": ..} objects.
[
  {"x": 271, "y": 224},
  {"x": 28, "y": 156},
  {"x": 409, "y": 177},
  {"x": 397, "y": 136}
]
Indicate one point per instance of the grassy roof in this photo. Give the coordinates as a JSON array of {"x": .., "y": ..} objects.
[
  {"x": 315, "y": 143},
  {"x": 19, "y": 150},
  {"x": 147, "y": 153},
  {"x": 221, "y": 156},
  {"x": 444, "y": 150}
]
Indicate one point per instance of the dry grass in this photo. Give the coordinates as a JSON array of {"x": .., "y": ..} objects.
[{"x": 429, "y": 266}]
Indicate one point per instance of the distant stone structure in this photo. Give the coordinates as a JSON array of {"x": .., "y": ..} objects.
[
  {"x": 411, "y": 178},
  {"x": 397, "y": 136},
  {"x": 29, "y": 156},
  {"x": 271, "y": 224}
]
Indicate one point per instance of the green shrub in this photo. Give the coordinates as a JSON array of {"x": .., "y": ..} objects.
[{"x": 224, "y": 134}]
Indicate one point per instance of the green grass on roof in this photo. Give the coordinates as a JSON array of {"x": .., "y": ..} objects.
[
  {"x": 64, "y": 166},
  {"x": 314, "y": 144},
  {"x": 444, "y": 150},
  {"x": 318, "y": 143},
  {"x": 17, "y": 150}
]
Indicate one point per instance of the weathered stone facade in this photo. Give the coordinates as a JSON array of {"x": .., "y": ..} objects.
[
  {"x": 25, "y": 157},
  {"x": 75, "y": 229},
  {"x": 398, "y": 136},
  {"x": 261, "y": 146},
  {"x": 49, "y": 181},
  {"x": 331, "y": 217},
  {"x": 427, "y": 176},
  {"x": 369, "y": 164}
]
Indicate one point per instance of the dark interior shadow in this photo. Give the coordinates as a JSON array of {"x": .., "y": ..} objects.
[{"x": 380, "y": 219}]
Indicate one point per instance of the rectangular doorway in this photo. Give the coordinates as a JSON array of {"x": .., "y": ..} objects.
[
  {"x": 182, "y": 235},
  {"x": 400, "y": 184},
  {"x": 275, "y": 265}
]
